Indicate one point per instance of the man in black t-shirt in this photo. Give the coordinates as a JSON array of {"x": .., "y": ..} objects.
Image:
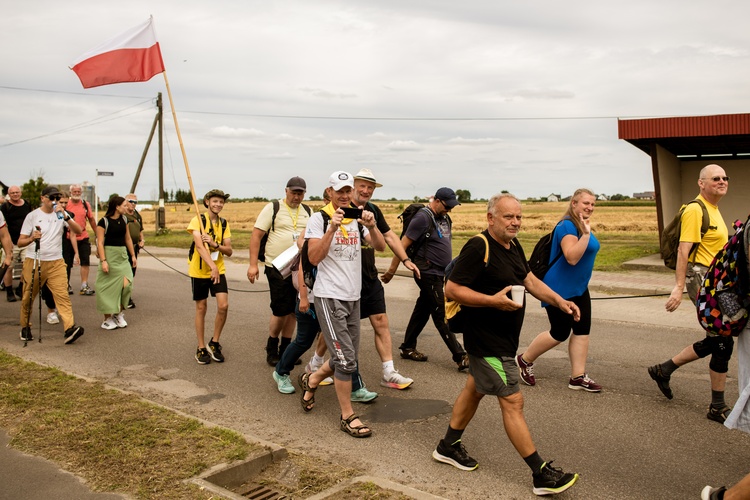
[
  {"x": 372, "y": 301},
  {"x": 15, "y": 209},
  {"x": 493, "y": 324}
]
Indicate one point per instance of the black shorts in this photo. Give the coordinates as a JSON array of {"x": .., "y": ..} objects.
[
  {"x": 372, "y": 300},
  {"x": 283, "y": 293},
  {"x": 560, "y": 323},
  {"x": 201, "y": 287},
  {"x": 84, "y": 252}
]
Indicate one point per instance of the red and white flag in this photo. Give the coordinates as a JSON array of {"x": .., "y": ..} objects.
[{"x": 132, "y": 56}]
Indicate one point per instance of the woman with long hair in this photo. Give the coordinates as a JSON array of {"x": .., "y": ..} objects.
[
  {"x": 114, "y": 281},
  {"x": 574, "y": 250}
]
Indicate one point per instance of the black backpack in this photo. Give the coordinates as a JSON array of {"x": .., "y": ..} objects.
[
  {"x": 406, "y": 217},
  {"x": 264, "y": 240},
  {"x": 309, "y": 271},
  {"x": 210, "y": 231},
  {"x": 670, "y": 236},
  {"x": 539, "y": 261}
]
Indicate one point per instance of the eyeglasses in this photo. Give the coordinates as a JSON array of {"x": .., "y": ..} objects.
[
  {"x": 446, "y": 207},
  {"x": 133, "y": 201},
  {"x": 55, "y": 197},
  {"x": 719, "y": 178}
]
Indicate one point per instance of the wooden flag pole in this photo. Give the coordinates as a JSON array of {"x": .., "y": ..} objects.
[{"x": 182, "y": 148}]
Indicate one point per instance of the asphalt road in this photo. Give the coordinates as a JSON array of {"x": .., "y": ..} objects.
[{"x": 627, "y": 442}]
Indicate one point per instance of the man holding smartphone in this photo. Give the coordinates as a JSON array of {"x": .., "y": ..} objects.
[{"x": 44, "y": 227}]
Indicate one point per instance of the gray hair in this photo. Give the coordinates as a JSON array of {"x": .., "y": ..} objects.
[
  {"x": 76, "y": 186},
  {"x": 492, "y": 203}
]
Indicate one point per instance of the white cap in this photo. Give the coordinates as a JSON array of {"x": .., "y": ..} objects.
[{"x": 341, "y": 179}]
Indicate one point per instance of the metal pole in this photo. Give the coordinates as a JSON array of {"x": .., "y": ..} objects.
[
  {"x": 148, "y": 144},
  {"x": 161, "y": 219}
]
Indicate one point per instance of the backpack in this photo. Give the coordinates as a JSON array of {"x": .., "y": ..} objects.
[
  {"x": 456, "y": 321},
  {"x": 264, "y": 239},
  {"x": 106, "y": 223},
  {"x": 210, "y": 231},
  {"x": 406, "y": 217},
  {"x": 724, "y": 298},
  {"x": 670, "y": 236},
  {"x": 539, "y": 262},
  {"x": 310, "y": 271}
]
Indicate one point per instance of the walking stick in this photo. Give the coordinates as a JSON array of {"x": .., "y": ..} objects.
[{"x": 38, "y": 271}]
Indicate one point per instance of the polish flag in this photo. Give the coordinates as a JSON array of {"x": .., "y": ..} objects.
[{"x": 132, "y": 56}]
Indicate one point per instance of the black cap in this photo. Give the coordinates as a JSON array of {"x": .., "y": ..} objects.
[
  {"x": 297, "y": 183},
  {"x": 447, "y": 196},
  {"x": 50, "y": 190}
]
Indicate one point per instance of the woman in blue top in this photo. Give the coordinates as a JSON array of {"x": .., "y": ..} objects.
[{"x": 569, "y": 276}]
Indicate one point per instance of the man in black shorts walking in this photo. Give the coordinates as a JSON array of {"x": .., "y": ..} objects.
[{"x": 492, "y": 325}]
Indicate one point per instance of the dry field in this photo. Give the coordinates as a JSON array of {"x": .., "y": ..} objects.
[{"x": 468, "y": 218}]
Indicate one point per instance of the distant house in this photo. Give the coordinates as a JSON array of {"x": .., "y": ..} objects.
[
  {"x": 602, "y": 197},
  {"x": 554, "y": 197},
  {"x": 646, "y": 195}
]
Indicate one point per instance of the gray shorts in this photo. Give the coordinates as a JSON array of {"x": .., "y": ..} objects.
[
  {"x": 339, "y": 322},
  {"x": 494, "y": 376}
]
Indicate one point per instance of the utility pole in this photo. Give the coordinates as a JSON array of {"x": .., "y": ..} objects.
[{"x": 161, "y": 222}]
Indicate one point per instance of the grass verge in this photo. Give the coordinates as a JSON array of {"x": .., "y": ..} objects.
[{"x": 115, "y": 441}]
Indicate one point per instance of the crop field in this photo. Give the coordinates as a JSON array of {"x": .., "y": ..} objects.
[{"x": 626, "y": 231}]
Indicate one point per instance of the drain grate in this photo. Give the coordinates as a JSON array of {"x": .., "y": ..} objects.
[{"x": 260, "y": 492}]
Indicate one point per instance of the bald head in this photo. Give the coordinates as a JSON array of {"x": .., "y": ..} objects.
[{"x": 713, "y": 183}]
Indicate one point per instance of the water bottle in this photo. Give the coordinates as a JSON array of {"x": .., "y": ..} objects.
[{"x": 54, "y": 209}]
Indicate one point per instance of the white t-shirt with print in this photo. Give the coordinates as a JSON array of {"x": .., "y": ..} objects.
[
  {"x": 50, "y": 247},
  {"x": 340, "y": 273}
]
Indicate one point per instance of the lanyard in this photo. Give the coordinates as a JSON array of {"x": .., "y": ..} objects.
[{"x": 293, "y": 217}]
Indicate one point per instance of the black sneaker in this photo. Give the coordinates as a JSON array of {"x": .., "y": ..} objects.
[
  {"x": 202, "y": 356},
  {"x": 70, "y": 290},
  {"x": 455, "y": 455},
  {"x": 131, "y": 304},
  {"x": 11, "y": 295},
  {"x": 214, "y": 348},
  {"x": 551, "y": 480},
  {"x": 26, "y": 334},
  {"x": 72, "y": 334},
  {"x": 661, "y": 380}
]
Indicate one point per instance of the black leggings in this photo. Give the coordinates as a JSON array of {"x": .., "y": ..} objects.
[{"x": 562, "y": 323}]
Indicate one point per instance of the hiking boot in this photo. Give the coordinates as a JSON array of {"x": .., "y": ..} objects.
[
  {"x": 362, "y": 395},
  {"x": 525, "y": 371},
  {"x": 463, "y": 365},
  {"x": 552, "y": 480},
  {"x": 202, "y": 356},
  {"x": 11, "y": 295},
  {"x": 119, "y": 319},
  {"x": 284, "y": 383},
  {"x": 395, "y": 380},
  {"x": 19, "y": 291},
  {"x": 661, "y": 380},
  {"x": 412, "y": 354},
  {"x": 214, "y": 349},
  {"x": 26, "y": 335},
  {"x": 109, "y": 324},
  {"x": 583, "y": 382},
  {"x": 454, "y": 455},
  {"x": 73, "y": 333},
  {"x": 86, "y": 290},
  {"x": 710, "y": 493},
  {"x": 52, "y": 318},
  {"x": 131, "y": 304},
  {"x": 272, "y": 351},
  {"x": 718, "y": 414}
]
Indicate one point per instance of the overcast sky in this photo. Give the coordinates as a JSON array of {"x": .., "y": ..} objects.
[{"x": 475, "y": 95}]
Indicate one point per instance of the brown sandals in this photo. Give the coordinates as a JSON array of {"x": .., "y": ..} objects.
[
  {"x": 355, "y": 430},
  {"x": 304, "y": 383}
]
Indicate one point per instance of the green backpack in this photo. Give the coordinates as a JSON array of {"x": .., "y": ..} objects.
[{"x": 670, "y": 237}]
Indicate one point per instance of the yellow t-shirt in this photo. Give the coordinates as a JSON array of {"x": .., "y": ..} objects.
[
  {"x": 289, "y": 224},
  {"x": 714, "y": 239},
  {"x": 197, "y": 268}
]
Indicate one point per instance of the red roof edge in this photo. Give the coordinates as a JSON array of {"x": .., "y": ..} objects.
[{"x": 687, "y": 126}]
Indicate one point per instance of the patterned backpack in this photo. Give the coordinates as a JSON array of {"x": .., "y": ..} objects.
[{"x": 724, "y": 299}]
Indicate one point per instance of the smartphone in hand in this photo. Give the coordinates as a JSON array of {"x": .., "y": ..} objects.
[{"x": 352, "y": 213}]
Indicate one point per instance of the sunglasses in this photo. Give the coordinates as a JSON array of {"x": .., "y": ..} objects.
[
  {"x": 446, "y": 207},
  {"x": 719, "y": 178},
  {"x": 134, "y": 202},
  {"x": 55, "y": 197}
]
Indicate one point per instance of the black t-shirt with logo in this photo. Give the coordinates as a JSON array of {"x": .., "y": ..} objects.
[{"x": 369, "y": 270}]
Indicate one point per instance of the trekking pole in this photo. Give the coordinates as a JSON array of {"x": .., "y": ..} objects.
[{"x": 38, "y": 265}]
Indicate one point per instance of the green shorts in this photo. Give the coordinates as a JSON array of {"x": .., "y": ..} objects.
[{"x": 494, "y": 376}]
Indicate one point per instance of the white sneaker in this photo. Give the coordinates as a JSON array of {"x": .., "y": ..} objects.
[
  {"x": 395, "y": 380},
  {"x": 52, "y": 318},
  {"x": 310, "y": 368},
  {"x": 109, "y": 324},
  {"x": 119, "y": 319},
  {"x": 326, "y": 381}
]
